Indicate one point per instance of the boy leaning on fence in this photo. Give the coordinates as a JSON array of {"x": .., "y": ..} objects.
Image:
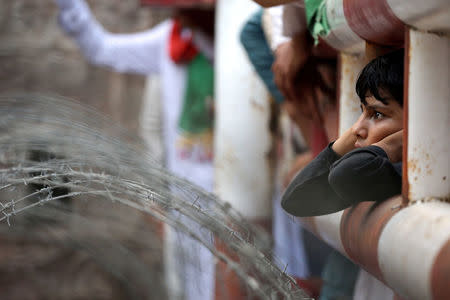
[{"x": 364, "y": 163}]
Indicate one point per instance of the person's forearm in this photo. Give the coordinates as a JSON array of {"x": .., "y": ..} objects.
[
  {"x": 309, "y": 194},
  {"x": 302, "y": 43}
]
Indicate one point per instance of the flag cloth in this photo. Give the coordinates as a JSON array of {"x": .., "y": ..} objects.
[
  {"x": 316, "y": 18},
  {"x": 197, "y": 115}
]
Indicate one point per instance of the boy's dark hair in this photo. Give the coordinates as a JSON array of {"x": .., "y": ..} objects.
[{"x": 383, "y": 73}]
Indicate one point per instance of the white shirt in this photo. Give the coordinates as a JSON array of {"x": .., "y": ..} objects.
[
  {"x": 143, "y": 53},
  {"x": 286, "y": 21}
]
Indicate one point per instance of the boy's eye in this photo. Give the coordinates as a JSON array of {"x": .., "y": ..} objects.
[{"x": 377, "y": 115}]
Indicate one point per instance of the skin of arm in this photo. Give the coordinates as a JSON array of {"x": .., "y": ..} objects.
[
  {"x": 289, "y": 58},
  {"x": 291, "y": 55}
]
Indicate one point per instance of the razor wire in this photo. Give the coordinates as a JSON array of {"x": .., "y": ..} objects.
[{"x": 92, "y": 160}]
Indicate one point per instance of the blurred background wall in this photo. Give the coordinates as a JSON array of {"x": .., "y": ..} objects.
[{"x": 36, "y": 56}]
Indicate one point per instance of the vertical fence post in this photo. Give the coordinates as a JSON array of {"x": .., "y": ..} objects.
[
  {"x": 349, "y": 109},
  {"x": 243, "y": 140},
  {"x": 243, "y": 173},
  {"x": 428, "y": 116}
]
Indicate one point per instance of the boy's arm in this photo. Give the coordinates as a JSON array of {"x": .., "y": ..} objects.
[
  {"x": 309, "y": 193},
  {"x": 134, "y": 53},
  {"x": 365, "y": 174}
]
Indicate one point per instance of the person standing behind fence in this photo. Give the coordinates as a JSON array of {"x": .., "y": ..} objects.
[
  {"x": 298, "y": 249},
  {"x": 181, "y": 51}
]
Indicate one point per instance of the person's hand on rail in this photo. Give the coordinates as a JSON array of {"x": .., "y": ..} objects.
[{"x": 289, "y": 59}]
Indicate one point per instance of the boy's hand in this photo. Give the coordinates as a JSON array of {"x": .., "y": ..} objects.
[
  {"x": 345, "y": 143},
  {"x": 393, "y": 146}
]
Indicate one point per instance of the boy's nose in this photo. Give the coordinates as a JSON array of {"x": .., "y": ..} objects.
[{"x": 360, "y": 129}]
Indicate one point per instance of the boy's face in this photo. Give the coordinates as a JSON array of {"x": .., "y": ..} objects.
[{"x": 377, "y": 121}]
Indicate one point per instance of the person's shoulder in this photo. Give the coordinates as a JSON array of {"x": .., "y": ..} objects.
[{"x": 163, "y": 27}]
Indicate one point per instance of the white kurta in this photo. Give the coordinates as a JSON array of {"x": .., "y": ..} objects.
[
  {"x": 147, "y": 53},
  {"x": 143, "y": 53}
]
